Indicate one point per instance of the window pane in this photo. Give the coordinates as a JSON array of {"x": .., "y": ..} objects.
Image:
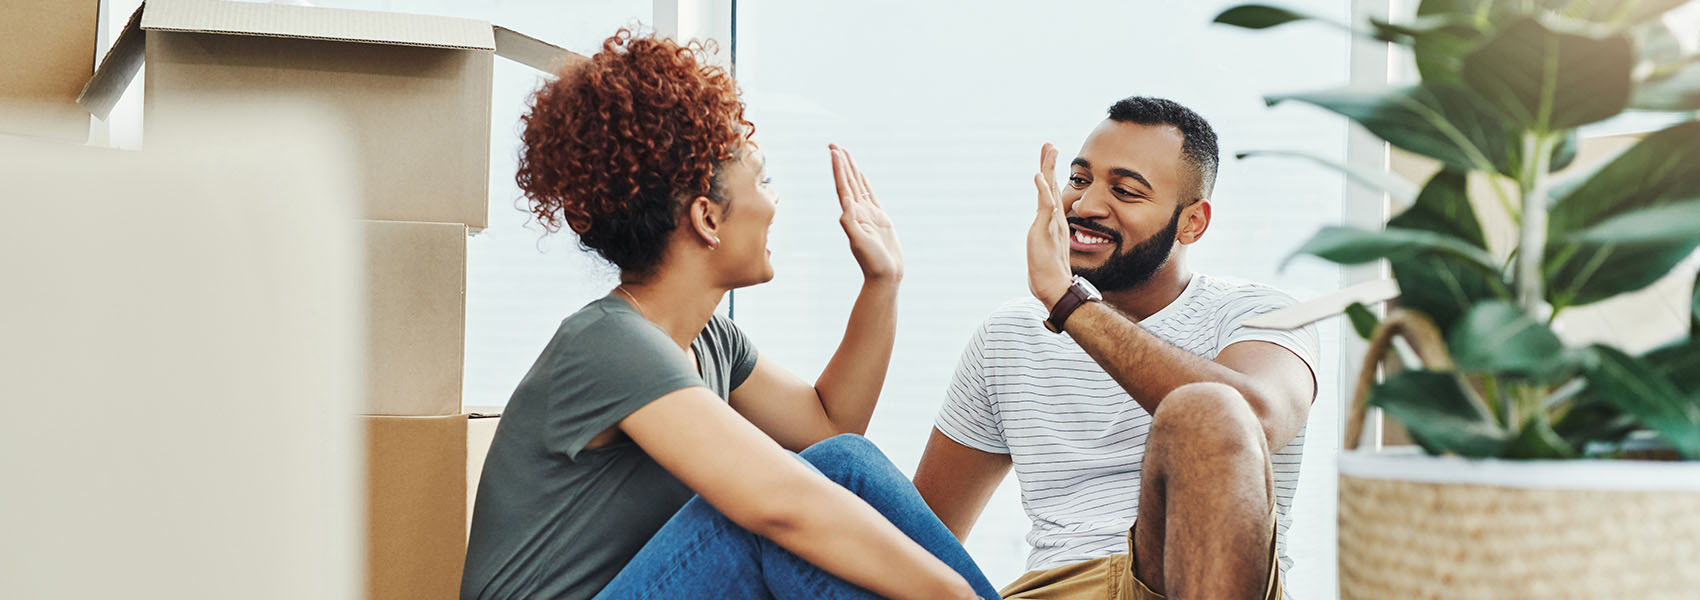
[{"x": 945, "y": 109}]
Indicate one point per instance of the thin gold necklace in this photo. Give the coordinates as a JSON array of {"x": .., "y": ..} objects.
[{"x": 635, "y": 304}]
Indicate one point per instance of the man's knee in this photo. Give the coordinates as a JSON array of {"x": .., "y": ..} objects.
[{"x": 1209, "y": 417}]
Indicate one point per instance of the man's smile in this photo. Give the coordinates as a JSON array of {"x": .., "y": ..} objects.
[{"x": 1083, "y": 239}]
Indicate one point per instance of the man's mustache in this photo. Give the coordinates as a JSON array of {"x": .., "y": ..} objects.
[{"x": 1095, "y": 228}]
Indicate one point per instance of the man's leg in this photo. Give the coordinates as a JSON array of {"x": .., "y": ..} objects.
[{"x": 1206, "y": 498}]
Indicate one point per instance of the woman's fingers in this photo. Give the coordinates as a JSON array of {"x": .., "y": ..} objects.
[
  {"x": 866, "y": 190},
  {"x": 842, "y": 177}
]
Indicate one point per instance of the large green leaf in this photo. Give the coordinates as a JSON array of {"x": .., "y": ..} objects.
[
  {"x": 1433, "y": 407},
  {"x": 1259, "y": 16},
  {"x": 1377, "y": 178},
  {"x": 1678, "y": 362},
  {"x": 1537, "y": 441},
  {"x": 1441, "y": 122},
  {"x": 1660, "y": 171},
  {"x": 1350, "y": 246},
  {"x": 1599, "y": 272},
  {"x": 1545, "y": 81},
  {"x": 1363, "y": 321},
  {"x": 1594, "y": 422},
  {"x": 1444, "y": 207},
  {"x": 1497, "y": 337},
  {"x": 1694, "y": 324},
  {"x": 1444, "y": 287},
  {"x": 1667, "y": 223},
  {"x": 1662, "y": 168},
  {"x": 1264, "y": 16},
  {"x": 1625, "y": 253},
  {"x": 1634, "y": 387}
]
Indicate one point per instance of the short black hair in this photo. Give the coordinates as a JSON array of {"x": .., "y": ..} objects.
[{"x": 1198, "y": 140}]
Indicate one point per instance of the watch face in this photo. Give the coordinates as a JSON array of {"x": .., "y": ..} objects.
[{"x": 1091, "y": 290}]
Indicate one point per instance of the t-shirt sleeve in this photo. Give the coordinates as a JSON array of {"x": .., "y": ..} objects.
[
  {"x": 606, "y": 371},
  {"x": 1302, "y": 342},
  {"x": 739, "y": 351},
  {"x": 969, "y": 416}
]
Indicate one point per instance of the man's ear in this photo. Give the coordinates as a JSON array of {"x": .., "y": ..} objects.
[
  {"x": 705, "y": 219},
  {"x": 1194, "y": 220}
]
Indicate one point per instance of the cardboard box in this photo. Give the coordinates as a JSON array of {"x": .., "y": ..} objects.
[
  {"x": 480, "y": 432},
  {"x": 47, "y": 52},
  {"x": 416, "y": 317},
  {"x": 413, "y": 90},
  {"x": 416, "y": 506}
]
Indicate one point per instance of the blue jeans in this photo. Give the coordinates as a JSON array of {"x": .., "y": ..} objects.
[{"x": 701, "y": 554}]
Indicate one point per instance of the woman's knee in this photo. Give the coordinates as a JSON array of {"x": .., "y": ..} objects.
[{"x": 844, "y": 452}]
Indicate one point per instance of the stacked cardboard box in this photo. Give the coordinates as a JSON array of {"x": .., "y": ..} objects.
[
  {"x": 47, "y": 52},
  {"x": 414, "y": 94}
]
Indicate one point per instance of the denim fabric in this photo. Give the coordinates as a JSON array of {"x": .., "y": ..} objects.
[{"x": 701, "y": 554}]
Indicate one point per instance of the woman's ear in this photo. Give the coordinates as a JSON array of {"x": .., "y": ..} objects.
[
  {"x": 1194, "y": 220},
  {"x": 706, "y": 217}
]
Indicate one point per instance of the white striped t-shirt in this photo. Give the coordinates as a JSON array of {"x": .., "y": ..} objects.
[{"x": 1076, "y": 438}]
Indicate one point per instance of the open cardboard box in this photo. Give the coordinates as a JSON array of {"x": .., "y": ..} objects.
[
  {"x": 47, "y": 52},
  {"x": 421, "y": 474},
  {"x": 413, "y": 91}
]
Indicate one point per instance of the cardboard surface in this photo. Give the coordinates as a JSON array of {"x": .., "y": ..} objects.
[
  {"x": 419, "y": 117},
  {"x": 413, "y": 90},
  {"x": 416, "y": 506},
  {"x": 307, "y": 22},
  {"x": 416, "y": 317},
  {"x": 46, "y": 54},
  {"x": 480, "y": 432}
]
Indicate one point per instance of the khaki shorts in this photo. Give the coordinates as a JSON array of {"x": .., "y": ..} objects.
[{"x": 1109, "y": 578}]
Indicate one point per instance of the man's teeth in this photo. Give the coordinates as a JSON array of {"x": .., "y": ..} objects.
[{"x": 1084, "y": 238}]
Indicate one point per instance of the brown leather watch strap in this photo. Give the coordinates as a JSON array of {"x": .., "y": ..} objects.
[{"x": 1071, "y": 301}]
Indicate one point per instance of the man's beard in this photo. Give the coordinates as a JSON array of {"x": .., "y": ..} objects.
[{"x": 1129, "y": 268}]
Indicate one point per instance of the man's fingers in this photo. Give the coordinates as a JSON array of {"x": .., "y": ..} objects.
[{"x": 1046, "y": 205}]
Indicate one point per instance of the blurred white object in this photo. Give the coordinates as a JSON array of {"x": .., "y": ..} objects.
[{"x": 180, "y": 361}]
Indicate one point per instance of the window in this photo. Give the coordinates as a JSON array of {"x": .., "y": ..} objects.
[{"x": 945, "y": 108}]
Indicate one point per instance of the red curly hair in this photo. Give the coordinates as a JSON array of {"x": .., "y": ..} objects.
[{"x": 615, "y": 146}]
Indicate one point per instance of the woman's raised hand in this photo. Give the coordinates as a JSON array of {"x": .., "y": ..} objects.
[{"x": 873, "y": 239}]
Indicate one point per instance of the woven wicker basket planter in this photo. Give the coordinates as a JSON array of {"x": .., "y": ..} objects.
[
  {"x": 1414, "y": 526},
  {"x": 1424, "y": 527}
]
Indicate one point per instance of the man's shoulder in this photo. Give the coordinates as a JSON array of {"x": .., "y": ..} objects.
[
  {"x": 1018, "y": 316},
  {"x": 1222, "y": 291}
]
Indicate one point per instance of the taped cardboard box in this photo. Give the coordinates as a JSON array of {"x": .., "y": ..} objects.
[
  {"x": 413, "y": 90},
  {"x": 416, "y": 506},
  {"x": 480, "y": 433},
  {"x": 416, "y": 317},
  {"x": 47, "y": 52}
]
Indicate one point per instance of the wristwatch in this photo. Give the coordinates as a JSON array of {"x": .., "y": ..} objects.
[{"x": 1077, "y": 295}]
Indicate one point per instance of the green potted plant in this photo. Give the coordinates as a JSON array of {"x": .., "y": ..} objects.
[{"x": 1549, "y": 470}]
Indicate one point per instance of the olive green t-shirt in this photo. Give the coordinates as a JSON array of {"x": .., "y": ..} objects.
[{"x": 554, "y": 519}]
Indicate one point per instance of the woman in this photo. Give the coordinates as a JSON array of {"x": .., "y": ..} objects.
[{"x": 645, "y": 397}]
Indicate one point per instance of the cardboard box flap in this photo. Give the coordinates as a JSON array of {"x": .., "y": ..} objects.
[
  {"x": 335, "y": 24},
  {"x": 116, "y": 70},
  {"x": 533, "y": 52}
]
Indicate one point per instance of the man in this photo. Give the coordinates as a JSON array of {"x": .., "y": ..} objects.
[{"x": 1157, "y": 440}]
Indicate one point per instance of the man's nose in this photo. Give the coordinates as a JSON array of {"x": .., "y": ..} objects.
[{"x": 1089, "y": 205}]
